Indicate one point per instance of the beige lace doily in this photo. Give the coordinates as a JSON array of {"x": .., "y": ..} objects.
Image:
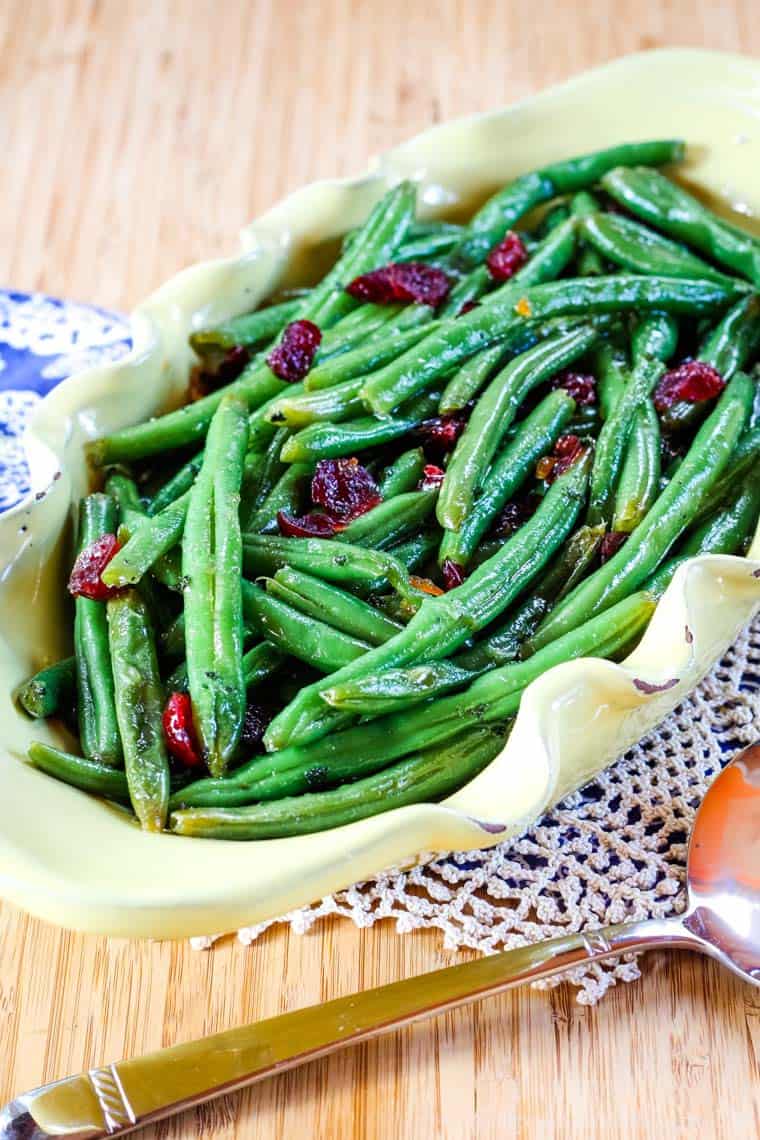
[{"x": 614, "y": 851}]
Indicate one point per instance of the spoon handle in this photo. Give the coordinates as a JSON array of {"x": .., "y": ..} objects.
[{"x": 118, "y": 1098}]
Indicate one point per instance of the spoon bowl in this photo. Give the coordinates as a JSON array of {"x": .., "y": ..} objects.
[{"x": 723, "y": 870}]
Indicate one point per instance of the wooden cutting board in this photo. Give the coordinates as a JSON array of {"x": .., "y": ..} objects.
[{"x": 136, "y": 138}]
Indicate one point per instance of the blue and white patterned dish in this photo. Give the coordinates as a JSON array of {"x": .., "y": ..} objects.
[{"x": 43, "y": 340}]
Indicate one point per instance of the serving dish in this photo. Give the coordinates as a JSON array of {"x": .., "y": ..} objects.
[{"x": 115, "y": 878}]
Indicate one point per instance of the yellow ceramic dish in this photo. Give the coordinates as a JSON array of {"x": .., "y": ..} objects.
[{"x": 68, "y": 857}]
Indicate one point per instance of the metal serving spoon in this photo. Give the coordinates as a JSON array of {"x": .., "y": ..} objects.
[{"x": 722, "y": 919}]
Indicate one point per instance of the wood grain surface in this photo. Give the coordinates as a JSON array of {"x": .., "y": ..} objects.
[{"x": 136, "y": 138}]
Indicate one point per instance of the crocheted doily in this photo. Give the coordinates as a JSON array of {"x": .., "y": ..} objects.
[{"x": 614, "y": 851}]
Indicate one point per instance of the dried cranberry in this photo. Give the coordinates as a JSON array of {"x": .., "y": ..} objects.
[
  {"x": 443, "y": 431},
  {"x": 515, "y": 513},
  {"x": 567, "y": 450},
  {"x": 432, "y": 477},
  {"x": 344, "y": 488},
  {"x": 467, "y": 307},
  {"x": 308, "y": 526},
  {"x": 292, "y": 358},
  {"x": 580, "y": 385},
  {"x": 255, "y": 725},
  {"x": 610, "y": 544},
  {"x": 402, "y": 282},
  {"x": 453, "y": 574},
  {"x": 85, "y": 580},
  {"x": 179, "y": 730},
  {"x": 693, "y": 381},
  {"x": 507, "y": 257}
]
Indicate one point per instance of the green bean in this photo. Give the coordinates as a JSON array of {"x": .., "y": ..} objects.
[
  {"x": 347, "y": 367},
  {"x": 229, "y": 681},
  {"x": 468, "y": 380},
  {"x": 428, "y": 247},
  {"x": 536, "y": 436},
  {"x": 392, "y": 690},
  {"x": 286, "y": 495},
  {"x": 654, "y": 341},
  {"x": 98, "y": 727},
  {"x": 292, "y": 631},
  {"x": 504, "y": 643},
  {"x": 611, "y": 368},
  {"x": 637, "y": 249},
  {"x": 733, "y": 342},
  {"x": 744, "y": 458},
  {"x": 324, "y": 558},
  {"x": 590, "y": 264},
  {"x": 254, "y": 472},
  {"x": 342, "y": 402},
  {"x": 247, "y": 330},
  {"x": 211, "y": 567},
  {"x": 567, "y": 177},
  {"x": 455, "y": 340},
  {"x": 368, "y": 747},
  {"x": 87, "y": 775},
  {"x": 330, "y": 441},
  {"x": 671, "y": 514},
  {"x": 657, "y": 200},
  {"x": 403, "y": 474},
  {"x": 124, "y": 493},
  {"x": 175, "y": 487},
  {"x": 50, "y": 691},
  {"x": 148, "y": 542},
  {"x": 442, "y": 624},
  {"x": 188, "y": 424},
  {"x": 391, "y": 520},
  {"x": 426, "y": 777},
  {"x": 273, "y": 466},
  {"x": 492, "y": 415},
  {"x": 723, "y": 532},
  {"x": 639, "y": 480},
  {"x": 339, "y": 609},
  {"x": 139, "y": 707}
]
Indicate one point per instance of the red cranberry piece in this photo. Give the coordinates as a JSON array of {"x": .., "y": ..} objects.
[
  {"x": 567, "y": 450},
  {"x": 580, "y": 385},
  {"x": 515, "y": 513},
  {"x": 85, "y": 580},
  {"x": 432, "y": 477},
  {"x": 507, "y": 257},
  {"x": 693, "y": 381},
  {"x": 453, "y": 574},
  {"x": 467, "y": 307},
  {"x": 402, "y": 282},
  {"x": 308, "y": 526},
  {"x": 443, "y": 431},
  {"x": 179, "y": 731},
  {"x": 344, "y": 488},
  {"x": 610, "y": 544},
  {"x": 255, "y": 725},
  {"x": 292, "y": 358}
]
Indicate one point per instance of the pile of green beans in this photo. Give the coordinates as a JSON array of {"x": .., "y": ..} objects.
[{"x": 253, "y": 660}]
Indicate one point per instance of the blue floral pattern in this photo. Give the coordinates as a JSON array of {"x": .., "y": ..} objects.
[{"x": 42, "y": 341}]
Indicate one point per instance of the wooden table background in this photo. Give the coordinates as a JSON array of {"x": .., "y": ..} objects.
[{"x": 136, "y": 138}]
